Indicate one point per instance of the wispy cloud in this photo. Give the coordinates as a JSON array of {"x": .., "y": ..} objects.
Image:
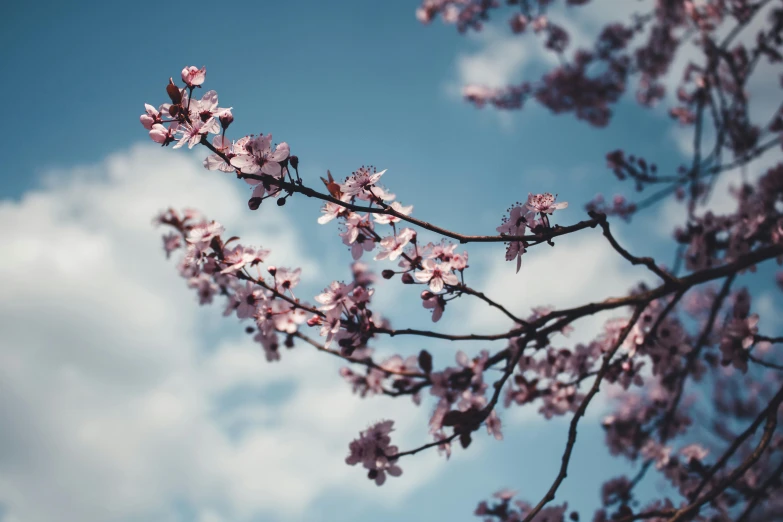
[{"x": 117, "y": 389}]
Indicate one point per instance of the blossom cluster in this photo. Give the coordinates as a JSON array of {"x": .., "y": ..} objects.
[
  {"x": 679, "y": 359},
  {"x": 435, "y": 265},
  {"x": 374, "y": 451},
  {"x": 521, "y": 216},
  {"x": 213, "y": 266},
  {"x": 189, "y": 120}
]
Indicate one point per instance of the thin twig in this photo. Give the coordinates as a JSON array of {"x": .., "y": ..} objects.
[{"x": 550, "y": 495}]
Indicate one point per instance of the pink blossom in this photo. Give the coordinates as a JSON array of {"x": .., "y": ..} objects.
[
  {"x": 258, "y": 156},
  {"x": 437, "y": 275},
  {"x": 360, "y": 182},
  {"x": 515, "y": 225},
  {"x": 192, "y": 133},
  {"x": 335, "y": 295},
  {"x": 332, "y": 210},
  {"x": 286, "y": 317},
  {"x": 738, "y": 336},
  {"x": 206, "y": 110},
  {"x": 544, "y": 203},
  {"x": 193, "y": 76},
  {"x": 443, "y": 252},
  {"x": 201, "y": 235},
  {"x": 694, "y": 452},
  {"x": 358, "y": 234},
  {"x": 171, "y": 242},
  {"x": 444, "y": 447},
  {"x": 459, "y": 261},
  {"x": 374, "y": 450},
  {"x": 330, "y": 326},
  {"x": 286, "y": 279},
  {"x": 505, "y": 494},
  {"x": 268, "y": 340},
  {"x": 163, "y": 135},
  {"x": 241, "y": 256},
  {"x": 228, "y": 149},
  {"x": 392, "y": 246},
  {"x": 434, "y": 302},
  {"x": 204, "y": 286},
  {"x": 150, "y": 117},
  {"x": 247, "y": 299},
  {"x": 659, "y": 453},
  {"x": 540, "y": 23},
  {"x": 494, "y": 425}
]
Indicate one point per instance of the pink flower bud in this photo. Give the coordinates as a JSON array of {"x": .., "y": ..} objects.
[
  {"x": 407, "y": 278},
  {"x": 193, "y": 76},
  {"x": 226, "y": 118}
]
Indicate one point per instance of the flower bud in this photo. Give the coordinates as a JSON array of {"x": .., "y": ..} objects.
[
  {"x": 425, "y": 361},
  {"x": 281, "y": 202},
  {"x": 426, "y": 294},
  {"x": 226, "y": 119},
  {"x": 294, "y": 161},
  {"x": 407, "y": 278},
  {"x": 254, "y": 203},
  {"x": 193, "y": 76},
  {"x": 272, "y": 270},
  {"x": 387, "y": 274}
]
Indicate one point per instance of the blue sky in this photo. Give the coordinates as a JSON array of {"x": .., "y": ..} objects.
[{"x": 128, "y": 401}]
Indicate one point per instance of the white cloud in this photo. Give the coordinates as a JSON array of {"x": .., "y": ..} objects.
[
  {"x": 499, "y": 60},
  {"x": 110, "y": 391},
  {"x": 765, "y": 306},
  {"x": 578, "y": 269},
  {"x": 503, "y": 58}
]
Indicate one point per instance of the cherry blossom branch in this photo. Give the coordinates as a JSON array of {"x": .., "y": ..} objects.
[
  {"x": 717, "y": 169},
  {"x": 736, "y": 242},
  {"x": 647, "y": 514},
  {"x": 771, "y": 415},
  {"x": 771, "y": 340},
  {"x": 448, "y": 337},
  {"x": 368, "y": 362},
  {"x": 696, "y": 278},
  {"x": 634, "y": 260},
  {"x": 293, "y": 302},
  {"x": 550, "y": 495},
  {"x": 423, "y": 447},
  {"x": 540, "y": 237},
  {"x": 764, "y": 363},
  {"x": 571, "y": 314},
  {"x": 467, "y": 290},
  {"x": 666, "y": 311}
]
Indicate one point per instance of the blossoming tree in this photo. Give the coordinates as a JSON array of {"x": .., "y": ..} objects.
[{"x": 694, "y": 331}]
